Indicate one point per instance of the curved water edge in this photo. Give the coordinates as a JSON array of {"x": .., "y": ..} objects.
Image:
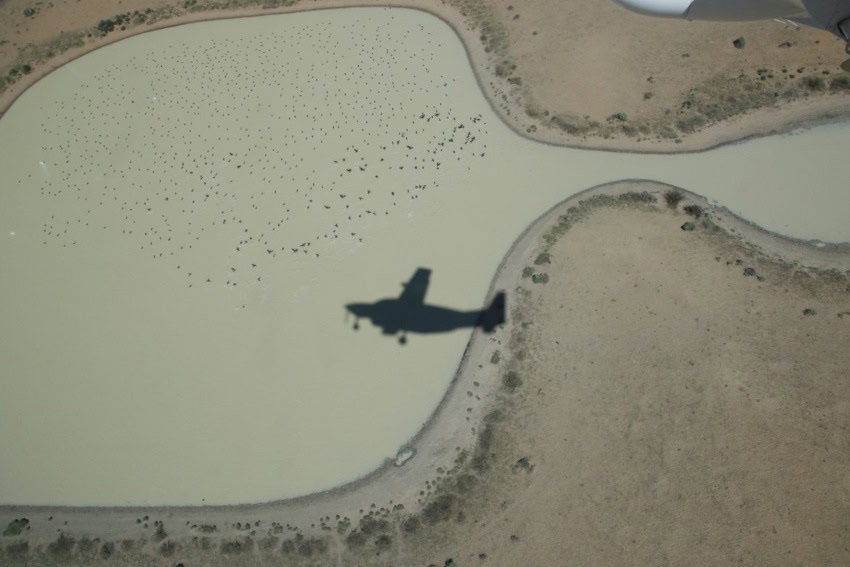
[
  {"x": 479, "y": 202},
  {"x": 441, "y": 431},
  {"x": 794, "y": 115}
]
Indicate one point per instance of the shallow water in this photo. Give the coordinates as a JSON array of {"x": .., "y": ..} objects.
[{"x": 184, "y": 214}]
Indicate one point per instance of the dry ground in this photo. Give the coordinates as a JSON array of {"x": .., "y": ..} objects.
[
  {"x": 683, "y": 400},
  {"x": 580, "y": 72},
  {"x": 592, "y": 72},
  {"x": 659, "y": 396}
]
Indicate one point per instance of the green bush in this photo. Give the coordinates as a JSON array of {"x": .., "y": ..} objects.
[
  {"x": 16, "y": 526},
  {"x": 105, "y": 26}
]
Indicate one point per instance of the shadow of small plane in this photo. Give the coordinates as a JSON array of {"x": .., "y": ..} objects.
[{"x": 408, "y": 312}]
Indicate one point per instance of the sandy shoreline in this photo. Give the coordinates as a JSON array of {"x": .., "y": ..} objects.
[
  {"x": 749, "y": 124},
  {"x": 316, "y": 524},
  {"x": 448, "y": 450}
]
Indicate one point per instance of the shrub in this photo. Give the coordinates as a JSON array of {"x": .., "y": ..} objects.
[
  {"x": 105, "y": 26},
  {"x": 107, "y": 549},
  {"x": 673, "y": 197},
  {"x": 167, "y": 548},
  {"x": 694, "y": 210},
  {"x": 841, "y": 83},
  {"x": 813, "y": 83},
  {"x": 62, "y": 546},
  {"x": 16, "y": 526},
  {"x": 511, "y": 381}
]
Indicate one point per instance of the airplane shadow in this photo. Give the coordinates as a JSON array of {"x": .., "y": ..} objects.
[{"x": 408, "y": 313}]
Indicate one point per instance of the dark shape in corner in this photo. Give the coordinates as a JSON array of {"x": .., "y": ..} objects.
[{"x": 408, "y": 312}]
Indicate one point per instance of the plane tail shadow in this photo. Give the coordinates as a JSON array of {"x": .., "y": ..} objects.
[{"x": 494, "y": 315}]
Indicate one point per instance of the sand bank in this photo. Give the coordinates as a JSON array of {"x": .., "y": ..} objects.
[{"x": 556, "y": 437}]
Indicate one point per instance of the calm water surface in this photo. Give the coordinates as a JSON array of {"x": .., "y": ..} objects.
[{"x": 184, "y": 214}]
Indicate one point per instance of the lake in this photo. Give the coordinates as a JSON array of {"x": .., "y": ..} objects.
[{"x": 185, "y": 213}]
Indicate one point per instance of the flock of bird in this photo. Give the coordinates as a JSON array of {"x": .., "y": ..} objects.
[{"x": 219, "y": 153}]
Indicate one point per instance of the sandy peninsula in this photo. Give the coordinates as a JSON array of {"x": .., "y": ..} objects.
[
  {"x": 582, "y": 73},
  {"x": 678, "y": 396}
]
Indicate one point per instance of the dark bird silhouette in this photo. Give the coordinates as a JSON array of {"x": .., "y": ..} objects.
[{"x": 408, "y": 312}]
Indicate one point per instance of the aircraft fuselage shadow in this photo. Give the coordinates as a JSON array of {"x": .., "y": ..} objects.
[{"x": 408, "y": 313}]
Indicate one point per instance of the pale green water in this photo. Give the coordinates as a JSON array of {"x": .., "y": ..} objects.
[{"x": 210, "y": 151}]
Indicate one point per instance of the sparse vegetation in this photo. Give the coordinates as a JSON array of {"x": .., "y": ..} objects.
[
  {"x": 107, "y": 550},
  {"x": 236, "y": 546},
  {"x": 370, "y": 525},
  {"x": 813, "y": 83},
  {"x": 167, "y": 548},
  {"x": 522, "y": 465},
  {"x": 355, "y": 539},
  {"x": 310, "y": 546},
  {"x": 511, "y": 381},
  {"x": 635, "y": 197},
  {"x": 16, "y": 526},
  {"x": 693, "y": 210},
  {"x": 841, "y": 83},
  {"x": 439, "y": 509},
  {"x": 411, "y": 525},
  {"x": 691, "y": 123},
  {"x": 105, "y": 26},
  {"x": 673, "y": 197},
  {"x": 269, "y": 543},
  {"x": 62, "y": 546},
  {"x": 570, "y": 124}
]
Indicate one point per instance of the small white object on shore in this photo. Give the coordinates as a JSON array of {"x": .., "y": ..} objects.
[{"x": 404, "y": 454}]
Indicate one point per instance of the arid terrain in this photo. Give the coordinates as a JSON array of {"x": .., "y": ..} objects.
[
  {"x": 581, "y": 73},
  {"x": 671, "y": 384},
  {"x": 680, "y": 396}
]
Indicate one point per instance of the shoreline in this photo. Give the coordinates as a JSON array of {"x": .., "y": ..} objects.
[
  {"x": 446, "y": 427},
  {"x": 450, "y": 430},
  {"x": 761, "y": 122}
]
